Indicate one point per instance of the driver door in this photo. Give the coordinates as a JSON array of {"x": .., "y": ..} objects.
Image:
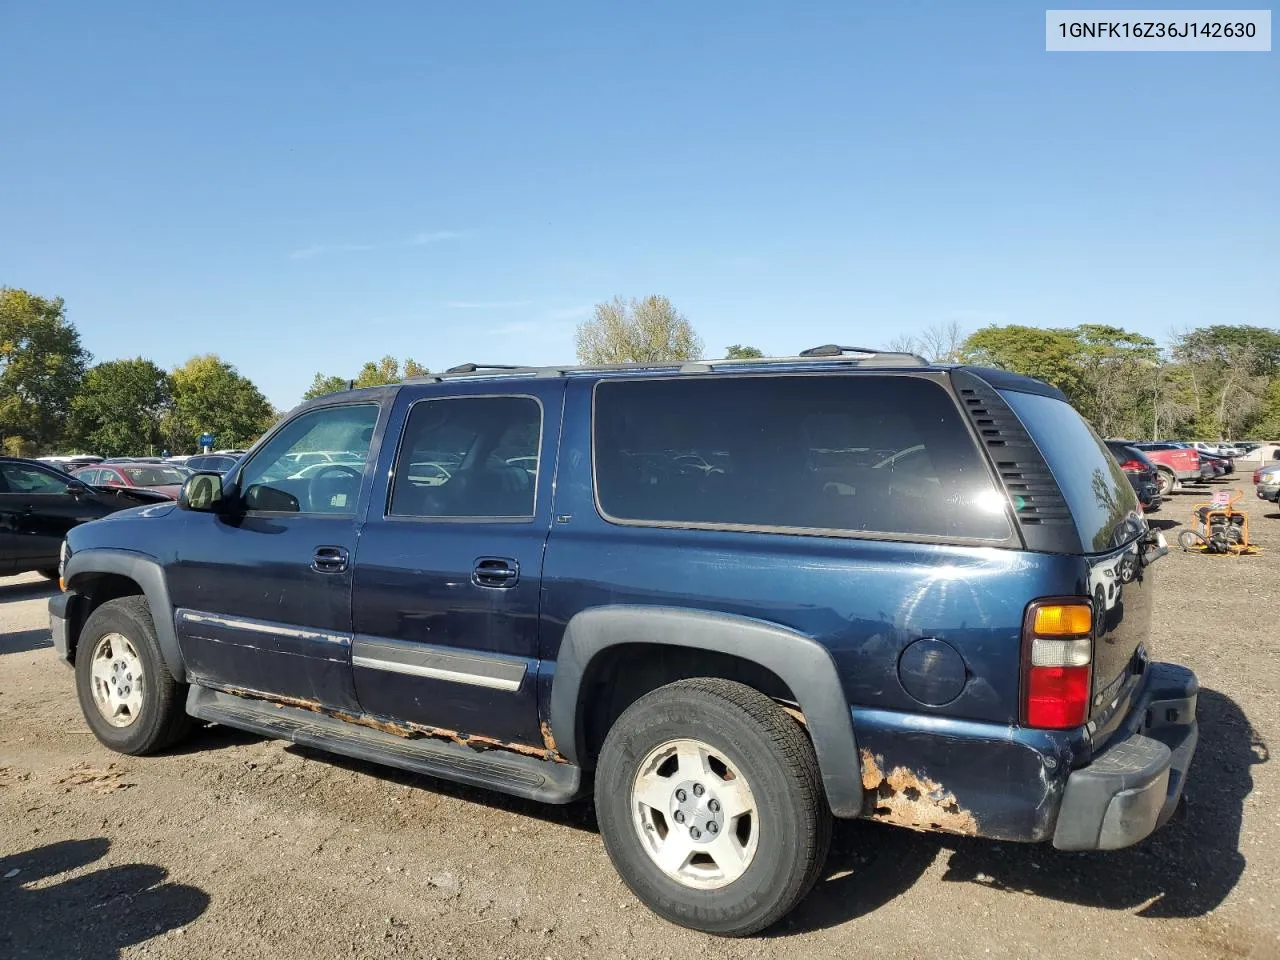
[{"x": 262, "y": 590}]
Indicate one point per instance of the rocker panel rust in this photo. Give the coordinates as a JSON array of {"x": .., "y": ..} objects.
[{"x": 400, "y": 728}]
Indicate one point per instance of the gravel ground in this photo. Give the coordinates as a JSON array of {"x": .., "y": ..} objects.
[{"x": 240, "y": 847}]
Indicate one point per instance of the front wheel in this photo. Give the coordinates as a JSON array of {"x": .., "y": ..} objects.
[
  {"x": 1165, "y": 481},
  {"x": 711, "y": 806},
  {"x": 129, "y": 699}
]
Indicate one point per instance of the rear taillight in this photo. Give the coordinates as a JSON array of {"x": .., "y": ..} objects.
[
  {"x": 1133, "y": 466},
  {"x": 1057, "y": 652}
]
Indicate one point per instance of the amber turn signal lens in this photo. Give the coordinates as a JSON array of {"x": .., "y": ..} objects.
[{"x": 1063, "y": 620}]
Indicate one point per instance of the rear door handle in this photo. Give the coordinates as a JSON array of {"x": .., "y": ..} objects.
[
  {"x": 330, "y": 560},
  {"x": 495, "y": 572}
]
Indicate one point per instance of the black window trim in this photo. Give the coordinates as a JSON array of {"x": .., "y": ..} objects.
[
  {"x": 1012, "y": 540},
  {"x": 404, "y": 429},
  {"x": 280, "y": 427}
]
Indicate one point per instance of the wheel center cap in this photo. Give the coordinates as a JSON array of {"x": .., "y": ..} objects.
[{"x": 698, "y": 810}]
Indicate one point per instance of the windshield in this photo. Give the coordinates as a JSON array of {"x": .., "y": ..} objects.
[{"x": 153, "y": 476}]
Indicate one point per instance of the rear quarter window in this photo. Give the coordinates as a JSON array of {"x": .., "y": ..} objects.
[
  {"x": 1101, "y": 499},
  {"x": 863, "y": 454}
]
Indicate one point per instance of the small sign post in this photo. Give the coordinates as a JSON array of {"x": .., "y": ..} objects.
[{"x": 206, "y": 442}]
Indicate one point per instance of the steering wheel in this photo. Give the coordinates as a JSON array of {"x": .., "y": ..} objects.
[{"x": 317, "y": 505}]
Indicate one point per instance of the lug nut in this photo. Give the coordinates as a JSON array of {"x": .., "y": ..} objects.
[
  {"x": 681, "y": 796},
  {"x": 679, "y": 815},
  {"x": 713, "y": 806},
  {"x": 698, "y": 790},
  {"x": 695, "y": 833},
  {"x": 712, "y": 828}
]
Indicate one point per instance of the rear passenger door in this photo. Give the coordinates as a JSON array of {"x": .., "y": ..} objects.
[{"x": 448, "y": 571}]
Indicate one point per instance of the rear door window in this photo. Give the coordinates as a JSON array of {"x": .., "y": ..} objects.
[
  {"x": 469, "y": 458},
  {"x": 830, "y": 454},
  {"x": 1101, "y": 500}
]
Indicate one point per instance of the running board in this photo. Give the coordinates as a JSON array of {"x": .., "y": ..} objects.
[{"x": 494, "y": 769}]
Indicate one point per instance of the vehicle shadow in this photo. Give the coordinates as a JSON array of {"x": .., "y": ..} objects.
[
  {"x": 94, "y": 915},
  {"x": 27, "y": 590},
  {"x": 1162, "y": 523},
  {"x": 21, "y": 641},
  {"x": 1185, "y": 870}
]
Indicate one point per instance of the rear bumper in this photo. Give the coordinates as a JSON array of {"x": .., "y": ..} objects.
[
  {"x": 1133, "y": 787},
  {"x": 1017, "y": 783}
]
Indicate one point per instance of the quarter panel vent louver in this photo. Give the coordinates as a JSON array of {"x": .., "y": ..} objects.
[{"x": 1041, "y": 510}]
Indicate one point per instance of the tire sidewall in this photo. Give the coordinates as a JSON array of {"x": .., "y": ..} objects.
[
  {"x": 141, "y": 735},
  {"x": 778, "y": 861}
]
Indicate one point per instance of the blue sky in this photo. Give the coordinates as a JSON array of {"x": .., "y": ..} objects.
[{"x": 303, "y": 186}]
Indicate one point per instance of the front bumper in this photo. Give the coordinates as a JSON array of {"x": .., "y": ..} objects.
[
  {"x": 60, "y": 625},
  {"x": 1134, "y": 785}
]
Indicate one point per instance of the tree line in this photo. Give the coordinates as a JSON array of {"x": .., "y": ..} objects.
[
  {"x": 53, "y": 399},
  {"x": 1214, "y": 382}
]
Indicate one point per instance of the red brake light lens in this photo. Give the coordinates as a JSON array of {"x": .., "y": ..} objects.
[
  {"x": 1133, "y": 466},
  {"x": 1057, "y": 697}
]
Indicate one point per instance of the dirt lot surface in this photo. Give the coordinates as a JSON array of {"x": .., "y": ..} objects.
[{"x": 240, "y": 847}]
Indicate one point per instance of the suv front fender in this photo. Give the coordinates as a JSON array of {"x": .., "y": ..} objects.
[
  {"x": 800, "y": 662},
  {"x": 84, "y": 565}
]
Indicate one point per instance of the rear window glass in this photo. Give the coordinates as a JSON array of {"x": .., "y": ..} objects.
[
  {"x": 850, "y": 454},
  {"x": 1101, "y": 499}
]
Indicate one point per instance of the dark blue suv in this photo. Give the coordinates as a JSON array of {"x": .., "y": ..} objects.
[{"x": 738, "y": 598}]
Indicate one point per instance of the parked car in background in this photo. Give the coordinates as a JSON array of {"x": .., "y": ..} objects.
[
  {"x": 39, "y": 504},
  {"x": 1267, "y": 480},
  {"x": 210, "y": 463},
  {"x": 161, "y": 478},
  {"x": 1175, "y": 463},
  {"x": 911, "y": 593},
  {"x": 1222, "y": 466},
  {"x": 1141, "y": 471},
  {"x": 1218, "y": 449},
  {"x": 1247, "y": 447}
]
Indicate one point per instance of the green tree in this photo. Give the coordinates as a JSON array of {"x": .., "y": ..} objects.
[
  {"x": 738, "y": 352},
  {"x": 1117, "y": 377},
  {"x": 1231, "y": 368},
  {"x": 119, "y": 408},
  {"x": 1049, "y": 355},
  {"x": 41, "y": 362},
  {"x": 371, "y": 374},
  {"x": 650, "y": 330},
  {"x": 323, "y": 385},
  {"x": 209, "y": 394}
]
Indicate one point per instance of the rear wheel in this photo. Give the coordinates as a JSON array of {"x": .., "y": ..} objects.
[
  {"x": 1165, "y": 481},
  {"x": 711, "y": 806},
  {"x": 129, "y": 699}
]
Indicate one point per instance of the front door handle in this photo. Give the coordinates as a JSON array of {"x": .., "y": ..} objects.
[
  {"x": 495, "y": 572},
  {"x": 330, "y": 560}
]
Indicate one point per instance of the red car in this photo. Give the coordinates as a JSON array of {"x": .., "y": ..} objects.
[
  {"x": 156, "y": 477},
  {"x": 1174, "y": 463}
]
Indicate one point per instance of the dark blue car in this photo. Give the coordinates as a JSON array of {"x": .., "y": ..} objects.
[{"x": 734, "y": 598}]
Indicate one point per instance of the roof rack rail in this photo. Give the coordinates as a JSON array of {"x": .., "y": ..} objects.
[
  {"x": 834, "y": 350},
  {"x": 476, "y": 367}
]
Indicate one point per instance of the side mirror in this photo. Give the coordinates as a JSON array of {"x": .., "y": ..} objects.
[
  {"x": 78, "y": 489},
  {"x": 201, "y": 492}
]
